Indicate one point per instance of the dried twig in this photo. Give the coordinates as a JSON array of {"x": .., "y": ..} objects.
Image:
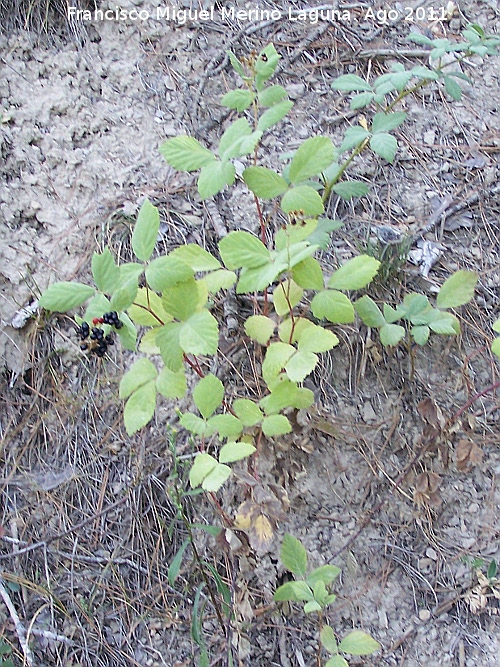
[{"x": 20, "y": 629}]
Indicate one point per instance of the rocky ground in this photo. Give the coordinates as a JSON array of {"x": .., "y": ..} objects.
[{"x": 89, "y": 528}]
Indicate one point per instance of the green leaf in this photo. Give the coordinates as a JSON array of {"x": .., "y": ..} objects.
[
  {"x": 496, "y": 325},
  {"x": 293, "y": 556},
  {"x": 457, "y": 290},
  {"x": 170, "y": 384},
  {"x": 274, "y": 115},
  {"x": 293, "y": 591},
  {"x": 418, "y": 38},
  {"x": 316, "y": 339},
  {"x": 391, "y": 334},
  {"x": 182, "y": 300},
  {"x": 167, "y": 340},
  {"x": 124, "y": 296},
  {"x": 247, "y": 411},
  {"x": 140, "y": 373},
  {"x": 355, "y": 274},
  {"x": 260, "y": 328},
  {"x": 420, "y": 334},
  {"x": 492, "y": 569},
  {"x": 416, "y": 306},
  {"x": 349, "y": 189},
  {"x": 140, "y": 407},
  {"x": 208, "y": 395},
  {"x": 242, "y": 249},
  {"x": 277, "y": 356},
  {"x": 266, "y": 63},
  {"x": 264, "y": 183},
  {"x": 322, "y": 233},
  {"x": 97, "y": 305},
  {"x": 214, "y": 177},
  {"x": 248, "y": 143},
  {"x": 168, "y": 271},
  {"x": 175, "y": 565},
  {"x": 65, "y": 296},
  {"x": 301, "y": 365},
  {"x": 324, "y": 573},
  {"x": 302, "y": 198},
  {"x": 337, "y": 661},
  {"x": 452, "y": 88},
  {"x": 328, "y": 641},
  {"x": 220, "y": 279},
  {"x": 148, "y": 342},
  {"x": 256, "y": 280},
  {"x": 237, "y": 65},
  {"x": 385, "y": 122},
  {"x": 195, "y": 424},
  {"x": 215, "y": 479},
  {"x": 202, "y": 466},
  {"x": 362, "y": 100},
  {"x": 369, "y": 312},
  {"x": 144, "y": 302},
  {"x": 312, "y": 607},
  {"x": 230, "y": 142},
  {"x": 239, "y": 99},
  {"x": 350, "y": 82},
  {"x": 358, "y": 642},
  {"x": 424, "y": 73},
  {"x": 311, "y": 158},
  {"x": 384, "y": 145},
  {"x": 199, "y": 334},
  {"x": 287, "y": 394},
  {"x": 145, "y": 231},
  {"x": 196, "y": 258},
  {"x": 271, "y": 95},
  {"x": 235, "y": 451},
  {"x": 105, "y": 272},
  {"x": 308, "y": 274},
  {"x": 227, "y": 426},
  {"x": 333, "y": 306},
  {"x": 443, "y": 323},
  {"x": 276, "y": 425},
  {"x": 353, "y": 137},
  {"x": 286, "y": 296},
  {"x": 185, "y": 153},
  {"x": 128, "y": 333}
]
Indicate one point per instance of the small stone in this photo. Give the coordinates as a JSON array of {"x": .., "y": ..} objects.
[
  {"x": 468, "y": 542},
  {"x": 424, "y": 615},
  {"x": 295, "y": 90},
  {"x": 431, "y": 553},
  {"x": 473, "y": 508}
]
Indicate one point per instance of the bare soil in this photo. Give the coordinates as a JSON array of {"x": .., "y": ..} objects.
[{"x": 88, "y": 526}]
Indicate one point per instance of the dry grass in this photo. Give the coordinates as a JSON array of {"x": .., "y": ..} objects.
[{"x": 43, "y": 18}]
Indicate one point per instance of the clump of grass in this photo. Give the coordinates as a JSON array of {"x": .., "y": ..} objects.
[{"x": 40, "y": 17}]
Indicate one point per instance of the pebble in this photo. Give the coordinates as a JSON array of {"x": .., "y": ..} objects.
[
  {"x": 431, "y": 553},
  {"x": 424, "y": 615},
  {"x": 473, "y": 508}
]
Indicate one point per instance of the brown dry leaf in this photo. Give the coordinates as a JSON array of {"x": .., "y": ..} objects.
[
  {"x": 258, "y": 517},
  {"x": 468, "y": 454},
  {"x": 427, "y": 489},
  {"x": 431, "y": 413}
]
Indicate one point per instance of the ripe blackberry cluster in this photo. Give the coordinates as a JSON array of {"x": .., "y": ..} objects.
[{"x": 94, "y": 340}]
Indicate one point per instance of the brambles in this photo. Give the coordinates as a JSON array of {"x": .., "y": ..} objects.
[{"x": 166, "y": 302}]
